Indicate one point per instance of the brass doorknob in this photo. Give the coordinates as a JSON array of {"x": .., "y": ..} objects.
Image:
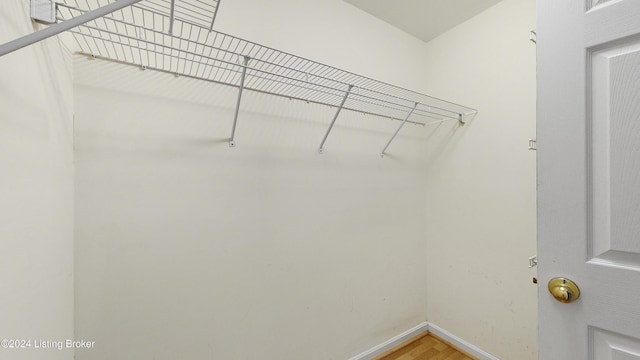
[{"x": 564, "y": 290}]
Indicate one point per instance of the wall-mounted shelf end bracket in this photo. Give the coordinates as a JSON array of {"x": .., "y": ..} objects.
[
  {"x": 533, "y": 36},
  {"x": 43, "y": 11},
  {"x": 398, "y": 130},
  {"x": 335, "y": 117},
  {"x": 243, "y": 75}
]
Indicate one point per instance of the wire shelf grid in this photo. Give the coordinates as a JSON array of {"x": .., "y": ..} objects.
[{"x": 140, "y": 35}]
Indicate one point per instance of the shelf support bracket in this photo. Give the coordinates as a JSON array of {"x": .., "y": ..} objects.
[
  {"x": 213, "y": 20},
  {"x": 398, "y": 130},
  {"x": 57, "y": 28},
  {"x": 232, "y": 142},
  {"x": 172, "y": 14},
  {"x": 335, "y": 117}
]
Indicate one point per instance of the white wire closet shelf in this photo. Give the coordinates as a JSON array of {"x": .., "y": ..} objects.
[
  {"x": 177, "y": 37},
  {"x": 139, "y": 35},
  {"x": 200, "y": 12}
]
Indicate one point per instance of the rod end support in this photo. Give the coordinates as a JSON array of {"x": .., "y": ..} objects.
[
  {"x": 232, "y": 143},
  {"x": 320, "y": 151}
]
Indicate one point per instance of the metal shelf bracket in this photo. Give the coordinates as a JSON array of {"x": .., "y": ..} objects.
[
  {"x": 172, "y": 15},
  {"x": 232, "y": 142},
  {"x": 335, "y": 117},
  {"x": 398, "y": 130}
]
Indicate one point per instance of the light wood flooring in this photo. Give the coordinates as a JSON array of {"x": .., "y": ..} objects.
[{"x": 425, "y": 347}]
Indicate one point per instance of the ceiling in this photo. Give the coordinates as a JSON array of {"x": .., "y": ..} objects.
[{"x": 424, "y": 19}]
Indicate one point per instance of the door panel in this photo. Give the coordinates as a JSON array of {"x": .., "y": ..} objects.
[
  {"x": 615, "y": 150},
  {"x": 625, "y": 151},
  {"x": 610, "y": 298},
  {"x": 611, "y": 346},
  {"x": 589, "y": 177}
]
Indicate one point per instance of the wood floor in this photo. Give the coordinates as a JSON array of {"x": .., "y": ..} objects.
[{"x": 425, "y": 347}]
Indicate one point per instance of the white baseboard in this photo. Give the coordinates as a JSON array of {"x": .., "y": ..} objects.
[
  {"x": 417, "y": 330},
  {"x": 461, "y": 344},
  {"x": 391, "y": 343}
]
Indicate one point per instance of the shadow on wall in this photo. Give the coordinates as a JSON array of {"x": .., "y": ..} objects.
[{"x": 444, "y": 137}]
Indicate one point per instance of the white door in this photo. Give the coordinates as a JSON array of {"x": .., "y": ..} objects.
[{"x": 589, "y": 177}]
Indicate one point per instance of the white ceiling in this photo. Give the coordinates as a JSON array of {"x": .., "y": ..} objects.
[{"x": 424, "y": 19}]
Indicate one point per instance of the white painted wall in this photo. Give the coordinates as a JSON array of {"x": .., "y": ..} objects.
[
  {"x": 481, "y": 216},
  {"x": 333, "y": 32},
  {"x": 36, "y": 188},
  {"x": 186, "y": 248}
]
